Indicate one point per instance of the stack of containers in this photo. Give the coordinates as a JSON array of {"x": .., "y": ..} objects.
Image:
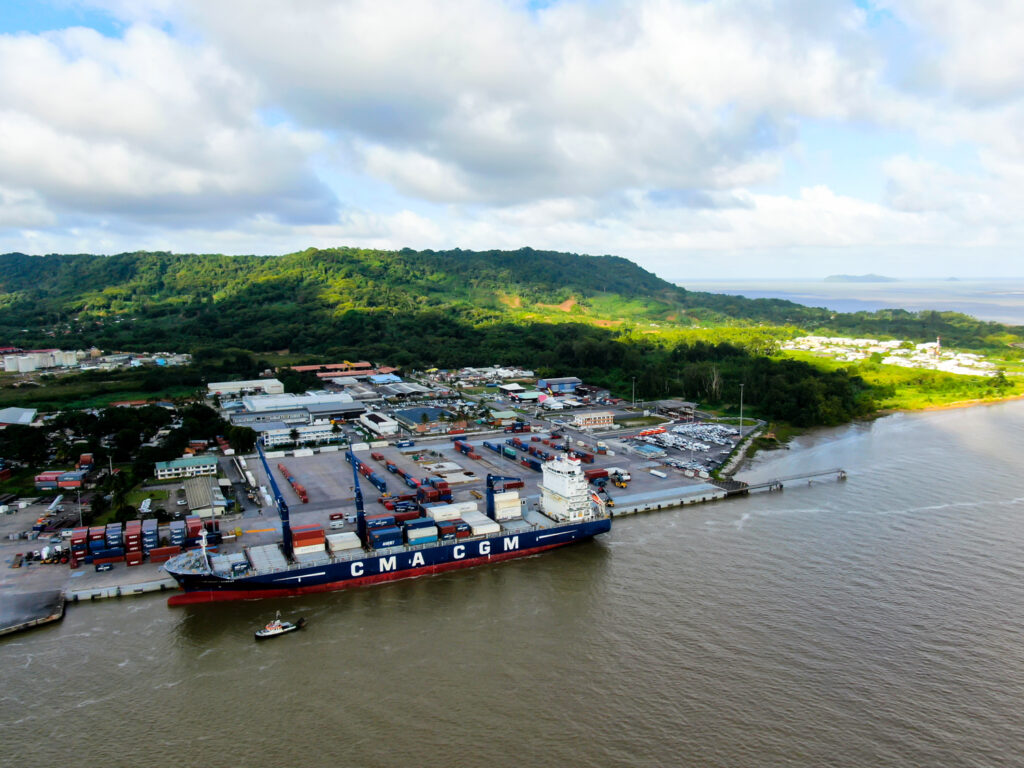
[
  {"x": 163, "y": 554},
  {"x": 71, "y": 479},
  {"x": 307, "y": 538},
  {"x": 150, "y": 539},
  {"x": 133, "y": 542},
  {"x": 440, "y": 512},
  {"x": 480, "y": 524},
  {"x": 406, "y": 514},
  {"x": 462, "y": 529},
  {"x": 390, "y": 536},
  {"x": 114, "y": 535},
  {"x": 178, "y": 533},
  {"x": 507, "y": 506},
  {"x": 79, "y": 546},
  {"x": 47, "y": 481},
  {"x": 446, "y": 530},
  {"x": 380, "y": 521},
  {"x": 339, "y": 542},
  {"x": 424, "y": 534},
  {"x": 96, "y": 542},
  {"x": 193, "y": 527},
  {"x": 428, "y": 495}
]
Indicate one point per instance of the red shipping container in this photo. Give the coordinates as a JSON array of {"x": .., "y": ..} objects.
[
  {"x": 337, "y": 515},
  {"x": 102, "y": 560},
  {"x": 463, "y": 534}
]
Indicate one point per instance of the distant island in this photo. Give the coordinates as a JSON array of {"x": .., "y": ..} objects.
[{"x": 860, "y": 279}]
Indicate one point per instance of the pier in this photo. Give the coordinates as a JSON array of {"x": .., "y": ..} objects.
[
  {"x": 738, "y": 487},
  {"x": 32, "y": 609}
]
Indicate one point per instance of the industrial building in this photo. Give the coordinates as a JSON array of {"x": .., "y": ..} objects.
[
  {"x": 24, "y": 416},
  {"x": 566, "y": 384},
  {"x": 379, "y": 424},
  {"x": 204, "y": 497},
  {"x": 252, "y": 386},
  {"x": 275, "y": 433},
  {"x": 296, "y": 409},
  {"x": 190, "y": 466},
  {"x": 594, "y": 419}
]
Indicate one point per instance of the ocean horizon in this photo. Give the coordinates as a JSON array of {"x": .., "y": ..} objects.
[{"x": 996, "y": 299}]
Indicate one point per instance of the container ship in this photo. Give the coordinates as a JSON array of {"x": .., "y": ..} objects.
[{"x": 415, "y": 540}]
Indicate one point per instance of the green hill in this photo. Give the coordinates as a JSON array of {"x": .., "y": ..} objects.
[
  {"x": 305, "y": 301},
  {"x": 599, "y": 317}
]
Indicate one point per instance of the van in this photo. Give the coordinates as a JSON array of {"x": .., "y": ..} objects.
[
  {"x": 100, "y": 567},
  {"x": 337, "y": 523}
]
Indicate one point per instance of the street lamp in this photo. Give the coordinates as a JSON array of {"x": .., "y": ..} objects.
[
  {"x": 79, "y": 507},
  {"x": 634, "y": 391}
]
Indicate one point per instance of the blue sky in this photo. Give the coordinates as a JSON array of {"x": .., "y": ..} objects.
[{"x": 699, "y": 138}]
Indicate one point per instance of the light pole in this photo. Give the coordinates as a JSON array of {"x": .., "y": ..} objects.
[
  {"x": 79, "y": 507},
  {"x": 634, "y": 391}
]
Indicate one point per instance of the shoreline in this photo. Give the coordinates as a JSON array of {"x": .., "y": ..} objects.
[{"x": 950, "y": 406}]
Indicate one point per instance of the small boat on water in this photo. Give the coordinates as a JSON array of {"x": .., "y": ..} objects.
[{"x": 278, "y": 627}]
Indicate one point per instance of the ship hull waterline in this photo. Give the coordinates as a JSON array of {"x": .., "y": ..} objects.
[{"x": 207, "y": 588}]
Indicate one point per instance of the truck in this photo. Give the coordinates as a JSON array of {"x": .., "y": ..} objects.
[{"x": 404, "y": 443}]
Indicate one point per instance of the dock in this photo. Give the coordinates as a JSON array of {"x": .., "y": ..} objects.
[
  {"x": 739, "y": 488},
  {"x": 121, "y": 590},
  {"x": 19, "y": 612}
]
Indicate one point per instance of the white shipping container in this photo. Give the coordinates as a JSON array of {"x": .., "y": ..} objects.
[
  {"x": 425, "y": 532},
  {"x": 508, "y": 513},
  {"x": 341, "y": 541},
  {"x": 484, "y": 529},
  {"x": 475, "y": 517},
  {"x": 658, "y": 473},
  {"x": 506, "y": 497},
  {"x": 308, "y": 548},
  {"x": 446, "y": 512},
  {"x": 461, "y": 507}
]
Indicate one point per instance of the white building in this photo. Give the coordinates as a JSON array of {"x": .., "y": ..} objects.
[
  {"x": 318, "y": 432},
  {"x": 594, "y": 420},
  {"x": 379, "y": 424},
  {"x": 189, "y": 466},
  {"x": 266, "y": 386}
]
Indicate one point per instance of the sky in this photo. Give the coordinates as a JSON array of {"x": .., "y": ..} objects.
[{"x": 698, "y": 138}]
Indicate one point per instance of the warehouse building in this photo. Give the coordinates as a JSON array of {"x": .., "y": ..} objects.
[
  {"x": 565, "y": 384},
  {"x": 296, "y": 409},
  {"x": 379, "y": 424},
  {"x": 190, "y": 466},
  {"x": 250, "y": 387}
]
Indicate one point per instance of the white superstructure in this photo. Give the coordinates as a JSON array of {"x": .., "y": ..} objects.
[{"x": 564, "y": 493}]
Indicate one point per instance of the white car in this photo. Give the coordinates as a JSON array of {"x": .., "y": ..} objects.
[{"x": 182, "y": 502}]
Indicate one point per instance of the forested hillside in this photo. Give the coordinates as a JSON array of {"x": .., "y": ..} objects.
[
  {"x": 602, "y": 318},
  {"x": 323, "y": 300}
]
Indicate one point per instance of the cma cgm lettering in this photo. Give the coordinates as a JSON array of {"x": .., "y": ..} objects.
[{"x": 414, "y": 560}]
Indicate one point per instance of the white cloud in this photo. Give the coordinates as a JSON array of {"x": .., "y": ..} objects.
[
  {"x": 144, "y": 126},
  {"x": 652, "y": 129}
]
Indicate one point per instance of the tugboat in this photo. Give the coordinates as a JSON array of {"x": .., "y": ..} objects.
[{"x": 278, "y": 627}]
